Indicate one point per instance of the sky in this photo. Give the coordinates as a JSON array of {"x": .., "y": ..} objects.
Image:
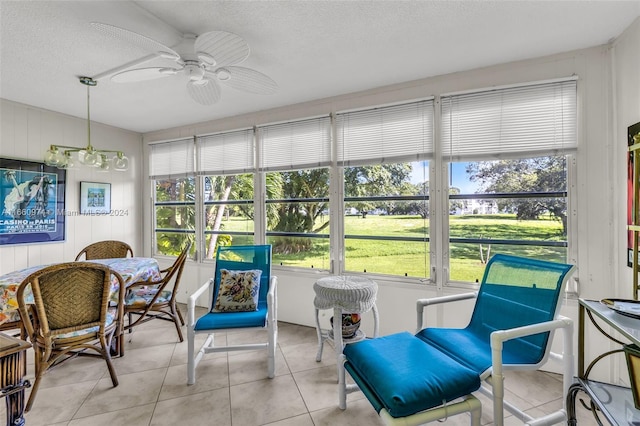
[{"x": 460, "y": 179}]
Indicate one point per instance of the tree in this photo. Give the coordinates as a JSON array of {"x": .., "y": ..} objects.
[
  {"x": 235, "y": 187},
  {"x": 422, "y": 208},
  {"x": 216, "y": 187},
  {"x": 180, "y": 216},
  {"x": 543, "y": 174},
  {"x": 455, "y": 205},
  {"x": 300, "y": 215},
  {"x": 377, "y": 180}
]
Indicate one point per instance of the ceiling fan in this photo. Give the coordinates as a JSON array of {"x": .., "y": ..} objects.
[{"x": 207, "y": 59}]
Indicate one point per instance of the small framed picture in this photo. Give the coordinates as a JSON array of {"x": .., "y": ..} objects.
[{"x": 95, "y": 198}]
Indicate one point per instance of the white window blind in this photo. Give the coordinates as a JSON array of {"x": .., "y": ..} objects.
[
  {"x": 173, "y": 159},
  {"x": 296, "y": 145},
  {"x": 395, "y": 133},
  {"x": 226, "y": 153},
  {"x": 536, "y": 119}
]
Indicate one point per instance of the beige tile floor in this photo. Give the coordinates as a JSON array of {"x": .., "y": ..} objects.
[{"x": 231, "y": 388}]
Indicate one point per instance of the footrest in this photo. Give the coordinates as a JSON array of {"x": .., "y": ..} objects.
[{"x": 404, "y": 375}]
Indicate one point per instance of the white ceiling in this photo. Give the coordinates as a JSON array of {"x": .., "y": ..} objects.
[{"x": 312, "y": 49}]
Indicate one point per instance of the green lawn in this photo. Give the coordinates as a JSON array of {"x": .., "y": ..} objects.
[{"x": 411, "y": 258}]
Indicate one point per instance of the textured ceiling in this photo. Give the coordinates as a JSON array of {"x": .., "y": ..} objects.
[{"x": 312, "y": 49}]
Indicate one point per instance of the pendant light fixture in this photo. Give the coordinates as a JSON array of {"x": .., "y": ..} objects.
[{"x": 61, "y": 156}]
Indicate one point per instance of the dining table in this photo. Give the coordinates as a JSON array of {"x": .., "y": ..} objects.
[{"x": 133, "y": 270}]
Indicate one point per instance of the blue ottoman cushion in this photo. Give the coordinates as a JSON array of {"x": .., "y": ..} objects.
[{"x": 403, "y": 374}]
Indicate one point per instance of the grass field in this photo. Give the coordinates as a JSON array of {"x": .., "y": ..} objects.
[{"x": 412, "y": 258}]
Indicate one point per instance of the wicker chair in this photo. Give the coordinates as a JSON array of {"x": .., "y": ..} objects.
[
  {"x": 157, "y": 299},
  {"x": 70, "y": 315},
  {"x": 14, "y": 325},
  {"x": 109, "y": 249}
]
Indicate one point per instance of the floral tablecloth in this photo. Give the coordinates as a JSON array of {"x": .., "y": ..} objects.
[{"x": 132, "y": 270}]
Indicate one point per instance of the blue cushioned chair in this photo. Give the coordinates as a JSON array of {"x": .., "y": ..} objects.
[
  {"x": 414, "y": 379},
  {"x": 235, "y": 258}
]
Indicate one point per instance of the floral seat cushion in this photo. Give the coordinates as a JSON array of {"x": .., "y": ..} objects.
[{"x": 143, "y": 296}]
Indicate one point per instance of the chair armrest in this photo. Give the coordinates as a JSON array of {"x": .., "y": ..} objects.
[
  {"x": 272, "y": 299},
  {"x": 191, "y": 302},
  {"x": 495, "y": 373},
  {"x": 422, "y": 303},
  {"x": 500, "y": 336}
]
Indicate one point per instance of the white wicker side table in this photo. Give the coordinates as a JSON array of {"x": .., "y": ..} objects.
[{"x": 343, "y": 293}]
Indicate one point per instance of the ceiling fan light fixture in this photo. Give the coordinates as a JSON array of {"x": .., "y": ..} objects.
[
  {"x": 204, "y": 60},
  {"x": 61, "y": 155},
  {"x": 194, "y": 71}
]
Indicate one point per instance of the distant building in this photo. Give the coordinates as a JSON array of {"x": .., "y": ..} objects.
[{"x": 477, "y": 207}]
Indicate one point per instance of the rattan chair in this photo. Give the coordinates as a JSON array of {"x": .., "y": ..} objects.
[
  {"x": 14, "y": 325},
  {"x": 157, "y": 299},
  {"x": 70, "y": 315},
  {"x": 109, "y": 249}
]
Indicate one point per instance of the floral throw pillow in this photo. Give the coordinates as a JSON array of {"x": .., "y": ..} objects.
[{"x": 238, "y": 291}]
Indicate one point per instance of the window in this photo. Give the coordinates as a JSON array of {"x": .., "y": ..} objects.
[
  {"x": 373, "y": 191},
  {"x": 508, "y": 152},
  {"x": 175, "y": 214},
  {"x": 226, "y": 162},
  {"x": 228, "y": 211},
  {"x": 386, "y": 226},
  {"x": 294, "y": 158},
  {"x": 384, "y": 153},
  {"x": 171, "y": 168},
  {"x": 298, "y": 217}
]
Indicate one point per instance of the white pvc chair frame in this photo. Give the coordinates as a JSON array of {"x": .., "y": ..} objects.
[
  {"x": 494, "y": 375},
  {"x": 208, "y": 347}
]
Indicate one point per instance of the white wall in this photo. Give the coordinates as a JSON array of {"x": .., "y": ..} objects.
[{"x": 26, "y": 133}]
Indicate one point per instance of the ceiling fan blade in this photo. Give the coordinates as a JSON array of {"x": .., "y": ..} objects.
[
  {"x": 142, "y": 74},
  {"x": 136, "y": 39},
  {"x": 205, "y": 91},
  {"x": 225, "y": 48},
  {"x": 247, "y": 79}
]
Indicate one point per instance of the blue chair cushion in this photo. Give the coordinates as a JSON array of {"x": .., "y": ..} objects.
[
  {"x": 221, "y": 320},
  {"x": 472, "y": 351},
  {"x": 404, "y": 375}
]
